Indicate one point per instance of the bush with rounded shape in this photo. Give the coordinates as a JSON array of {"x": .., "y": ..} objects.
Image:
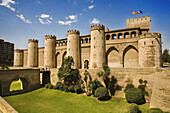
[
  {"x": 50, "y": 86},
  {"x": 55, "y": 87},
  {"x": 128, "y": 87},
  {"x": 65, "y": 87},
  {"x": 154, "y": 110},
  {"x": 71, "y": 89},
  {"x": 78, "y": 89},
  {"x": 46, "y": 85},
  {"x": 134, "y": 95},
  {"x": 101, "y": 93},
  {"x": 134, "y": 108}
]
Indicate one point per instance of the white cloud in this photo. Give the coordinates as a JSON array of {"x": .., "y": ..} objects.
[
  {"x": 38, "y": 1},
  {"x": 44, "y": 22},
  {"x": 7, "y": 4},
  {"x": 69, "y": 22},
  {"x": 94, "y": 21},
  {"x": 23, "y": 18},
  {"x": 45, "y": 16},
  {"x": 72, "y": 17},
  {"x": 92, "y": 1},
  {"x": 91, "y": 6}
]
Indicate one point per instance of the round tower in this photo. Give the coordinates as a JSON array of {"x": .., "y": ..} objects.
[
  {"x": 98, "y": 49},
  {"x": 73, "y": 46},
  {"x": 18, "y": 58},
  {"x": 49, "y": 54},
  {"x": 150, "y": 52},
  {"x": 32, "y": 53}
]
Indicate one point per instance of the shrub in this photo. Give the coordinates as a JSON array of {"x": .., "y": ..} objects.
[
  {"x": 101, "y": 93},
  {"x": 71, "y": 89},
  {"x": 119, "y": 88},
  {"x": 134, "y": 95},
  {"x": 46, "y": 85},
  {"x": 58, "y": 85},
  {"x": 134, "y": 108},
  {"x": 61, "y": 87},
  {"x": 65, "y": 87},
  {"x": 128, "y": 87},
  {"x": 50, "y": 86},
  {"x": 78, "y": 89},
  {"x": 142, "y": 88},
  {"x": 55, "y": 87},
  {"x": 154, "y": 110}
]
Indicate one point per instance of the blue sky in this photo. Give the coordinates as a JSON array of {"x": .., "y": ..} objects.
[{"x": 21, "y": 20}]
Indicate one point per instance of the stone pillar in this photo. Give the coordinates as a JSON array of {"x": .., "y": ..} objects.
[
  {"x": 98, "y": 49},
  {"x": 32, "y": 53},
  {"x": 74, "y": 46}
]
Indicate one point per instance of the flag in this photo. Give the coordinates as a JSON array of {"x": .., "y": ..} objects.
[
  {"x": 141, "y": 12},
  {"x": 137, "y": 12},
  {"x": 133, "y": 12}
]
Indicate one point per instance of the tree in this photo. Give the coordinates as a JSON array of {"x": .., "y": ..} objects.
[
  {"x": 68, "y": 75},
  {"x": 166, "y": 56}
]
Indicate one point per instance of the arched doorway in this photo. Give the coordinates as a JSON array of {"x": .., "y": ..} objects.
[
  {"x": 86, "y": 64},
  {"x": 113, "y": 57},
  {"x": 57, "y": 60},
  {"x": 130, "y": 57},
  {"x": 64, "y": 55}
]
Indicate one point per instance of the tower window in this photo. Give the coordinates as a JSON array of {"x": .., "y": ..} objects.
[
  {"x": 94, "y": 46},
  {"x": 94, "y": 38},
  {"x": 152, "y": 42},
  {"x": 144, "y": 43},
  {"x": 69, "y": 49}
]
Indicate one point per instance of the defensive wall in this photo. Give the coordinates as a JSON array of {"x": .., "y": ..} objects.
[
  {"x": 30, "y": 79},
  {"x": 158, "y": 82}
]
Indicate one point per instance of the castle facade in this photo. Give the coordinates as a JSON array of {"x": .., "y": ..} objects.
[{"x": 132, "y": 47}]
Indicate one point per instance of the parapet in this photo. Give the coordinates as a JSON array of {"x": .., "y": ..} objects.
[
  {"x": 157, "y": 34},
  {"x": 32, "y": 40},
  {"x": 50, "y": 37},
  {"x": 139, "y": 19},
  {"x": 95, "y": 27},
  {"x": 107, "y": 29},
  {"x": 73, "y": 32},
  {"x": 18, "y": 51}
]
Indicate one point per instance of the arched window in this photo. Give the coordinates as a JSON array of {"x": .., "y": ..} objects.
[
  {"x": 81, "y": 41},
  {"x": 119, "y": 35},
  {"x": 64, "y": 43},
  {"x": 86, "y": 64},
  {"x": 126, "y": 35},
  {"x": 114, "y": 36},
  {"x": 107, "y": 37},
  {"x": 89, "y": 40},
  {"x": 86, "y": 40},
  {"x": 133, "y": 34}
]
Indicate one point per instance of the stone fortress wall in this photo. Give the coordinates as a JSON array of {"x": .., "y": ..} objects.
[{"x": 134, "y": 47}]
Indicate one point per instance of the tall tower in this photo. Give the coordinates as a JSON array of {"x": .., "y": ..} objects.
[
  {"x": 18, "y": 58},
  {"x": 98, "y": 49},
  {"x": 49, "y": 54},
  {"x": 73, "y": 46},
  {"x": 32, "y": 53},
  {"x": 150, "y": 53}
]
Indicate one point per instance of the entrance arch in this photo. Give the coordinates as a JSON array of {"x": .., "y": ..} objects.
[
  {"x": 64, "y": 55},
  {"x": 130, "y": 57},
  {"x": 86, "y": 64},
  {"x": 57, "y": 60},
  {"x": 113, "y": 57}
]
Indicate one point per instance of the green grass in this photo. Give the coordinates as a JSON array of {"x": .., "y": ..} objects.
[
  {"x": 16, "y": 85},
  {"x": 55, "y": 101}
]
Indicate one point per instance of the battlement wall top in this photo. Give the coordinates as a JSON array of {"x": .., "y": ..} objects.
[
  {"x": 50, "y": 37},
  {"x": 73, "y": 32},
  {"x": 139, "y": 19},
  {"x": 157, "y": 34},
  {"x": 150, "y": 35},
  {"x": 18, "y": 50},
  {"x": 97, "y": 27},
  {"x": 33, "y": 40}
]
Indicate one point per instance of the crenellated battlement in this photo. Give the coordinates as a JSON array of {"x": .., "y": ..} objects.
[
  {"x": 73, "y": 32},
  {"x": 18, "y": 50},
  {"x": 50, "y": 37},
  {"x": 97, "y": 27},
  {"x": 33, "y": 40},
  {"x": 140, "y": 22},
  {"x": 157, "y": 34},
  {"x": 139, "y": 19}
]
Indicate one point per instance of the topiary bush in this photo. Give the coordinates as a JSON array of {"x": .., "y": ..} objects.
[
  {"x": 65, "y": 87},
  {"x": 71, "y": 89},
  {"x": 46, "y": 85},
  {"x": 154, "y": 110},
  {"x": 58, "y": 85},
  {"x": 55, "y": 87},
  {"x": 78, "y": 89},
  {"x": 128, "y": 87},
  {"x": 134, "y": 95},
  {"x": 50, "y": 86},
  {"x": 101, "y": 93},
  {"x": 133, "y": 108}
]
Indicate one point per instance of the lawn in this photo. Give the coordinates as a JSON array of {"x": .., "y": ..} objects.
[{"x": 54, "y": 101}]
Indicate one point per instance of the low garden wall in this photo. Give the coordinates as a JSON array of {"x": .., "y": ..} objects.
[{"x": 5, "y": 107}]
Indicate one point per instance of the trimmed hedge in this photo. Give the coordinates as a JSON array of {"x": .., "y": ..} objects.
[
  {"x": 71, "y": 89},
  {"x": 128, "y": 87},
  {"x": 154, "y": 110},
  {"x": 134, "y": 108},
  {"x": 78, "y": 89},
  {"x": 101, "y": 93},
  {"x": 134, "y": 95}
]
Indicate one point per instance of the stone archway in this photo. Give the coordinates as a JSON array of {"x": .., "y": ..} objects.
[
  {"x": 64, "y": 55},
  {"x": 130, "y": 57},
  {"x": 113, "y": 57},
  {"x": 86, "y": 64},
  {"x": 57, "y": 60}
]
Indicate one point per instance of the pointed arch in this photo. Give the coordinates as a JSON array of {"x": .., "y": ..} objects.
[
  {"x": 57, "y": 60},
  {"x": 130, "y": 57},
  {"x": 64, "y": 55},
  {"x": 113, "y": 57}
]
